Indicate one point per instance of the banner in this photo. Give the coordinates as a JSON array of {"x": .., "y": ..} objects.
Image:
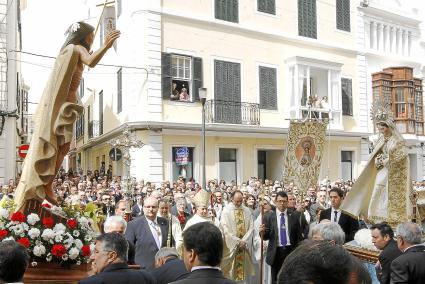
[
  {"x": 306, "y": 141},
  {"x": 109, "y": 22}
]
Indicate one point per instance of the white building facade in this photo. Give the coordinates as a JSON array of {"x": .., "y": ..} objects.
[{"x": 259, "y": 60}]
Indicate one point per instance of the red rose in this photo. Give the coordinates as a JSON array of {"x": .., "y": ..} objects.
[
  {"x": 72, "y": 224},
  {"x": 85, "y": 250},
  {"x": 58, "y": 250},
  {"x": 46, "y": 205},
  {"x": 18, "y": 217},
  {"x": 3, "y": 234},
  {"x": 24, "y": 241},
  {"x": 48, "y": 222}
]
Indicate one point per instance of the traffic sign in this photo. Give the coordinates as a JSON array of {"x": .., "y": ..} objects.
[
  {"x": 23, "y": 150},
  {"x": 115, "y": 154}
]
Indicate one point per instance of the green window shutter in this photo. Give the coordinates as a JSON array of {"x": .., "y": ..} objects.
[
  {"x": 119, "y": 90},
  {"x": 268, "y": 88},
  {"x": 267, "y": 6},
  {"x": 227, "y": 81},
  {"x": 227, "y": 10},
  {"x": 307, "y": 18},
  {"x": 347, "y": 96},
  {"x": 197, "y": 77},
  {"x": 343, "y": 15},
  {"x": 166, "y": 75}
]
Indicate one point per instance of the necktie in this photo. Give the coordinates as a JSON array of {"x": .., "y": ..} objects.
[
  {"x": 283, "y": 240},
  {"x": 156, "y": 234},
  {"x": 336, "y": 216}
]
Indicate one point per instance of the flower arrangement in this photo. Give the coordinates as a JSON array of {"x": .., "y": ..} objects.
[
  {"x": 70, "y": 242},
  {"x": 364, "y": 239}
]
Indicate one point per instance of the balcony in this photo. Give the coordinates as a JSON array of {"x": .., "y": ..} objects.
[
  {"x": 95, "y": 128},
  {"x": 218, "y": 111}
]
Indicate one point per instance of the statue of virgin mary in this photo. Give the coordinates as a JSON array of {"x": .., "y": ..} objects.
[{"x": 382, "y": 191}]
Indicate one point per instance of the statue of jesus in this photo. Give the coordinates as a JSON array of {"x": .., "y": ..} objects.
[{"x": 57, "y": 111}]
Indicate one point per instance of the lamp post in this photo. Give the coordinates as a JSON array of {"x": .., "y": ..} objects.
[
  {"x": 203, "y": 98},
  {"x": 127, "y": 141}
]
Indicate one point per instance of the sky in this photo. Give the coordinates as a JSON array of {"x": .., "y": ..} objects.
[{"x": 44, "y": 23}]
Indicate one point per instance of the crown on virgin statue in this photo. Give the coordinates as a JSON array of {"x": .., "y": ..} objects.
[{"x": 381, "y": 113}]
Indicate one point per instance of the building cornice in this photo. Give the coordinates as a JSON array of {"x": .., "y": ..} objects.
[{"x": 211, "y": 129}]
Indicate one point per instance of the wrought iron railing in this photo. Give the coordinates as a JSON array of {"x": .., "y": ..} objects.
[
  {"x": 95, "y": 128},
  {"x": 218, "y": 111}
]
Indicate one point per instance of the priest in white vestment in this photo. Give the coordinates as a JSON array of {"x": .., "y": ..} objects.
[{"x": 238, "y": 227}]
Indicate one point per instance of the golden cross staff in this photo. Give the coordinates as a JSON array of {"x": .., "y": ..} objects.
[{"x": 101, "y": 15}]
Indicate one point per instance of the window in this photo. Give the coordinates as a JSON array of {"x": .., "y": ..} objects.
[
  {"x": 266, "y": 6},
  {"x": 79, "y": 126},
  {"x": 119, "y": 7},
  {"x": 182, "y": 162},
  {"x": 100, "y": 125},
  {"x": 343, "y": 15},
  {"x": 227, "y": 10},
  {"x": 347, "y": 96},
  {"x": 228, "y": 164},
  {"x": 181, "y": 77},
  {"x": 119, "y": 90},
  {"x": 81, "y": 89},
  {"x": 307, "y": 18},
  {"x": 347, "y": 165},
  {"x": 268, "y": 88}
]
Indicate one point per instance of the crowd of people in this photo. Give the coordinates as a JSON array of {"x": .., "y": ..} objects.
[{"x": 254, "y": 218}]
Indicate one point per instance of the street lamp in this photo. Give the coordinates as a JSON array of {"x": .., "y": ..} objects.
[{"x": 203, "y": 98}]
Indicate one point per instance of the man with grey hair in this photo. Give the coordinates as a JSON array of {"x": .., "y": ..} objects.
[
  {"x": 117, "y": 224},
  {"x": 409, "y": 267},
  {"x": 328, "y": 231},
  {"x": 109, "y": 263},
  {"x": 168, "y": 266}
]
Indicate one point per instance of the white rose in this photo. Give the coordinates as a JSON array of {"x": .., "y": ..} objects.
[
  {"x": 78, "y": 262},
  {"x": 83, "y": 221},
  {"x": 87, "y": 238},
  {"x": 76, "y": 233},
  {"x": 48, "y": 234},
  {"x": 32, "y": 219},
  {"x": 39, "y": 250},
  {"x": 18, "y": 229},
  {"x": 34, "y": 233},
  {"x": 58, "y": 238},
  {"x": 59, "y": 228},
  {"x": 73, "y": 253},
  {"x": 4, "y": 213},
  {"x": 26, "y": 227},
  {"x": 65, "y": 257},
  {"x": 49, "y": 257},
  {"x": 78, "y": 243}
]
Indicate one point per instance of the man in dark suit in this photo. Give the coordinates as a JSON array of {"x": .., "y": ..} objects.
[
  {"x": 409, "y": 267},
  {"x": 348, "y": 224},
  {"x": 137, "y": 209},
  {"x": 147, "y": 233},
  {"x": 282, "y": 228},
  {"x": 383, "y": 239},
  {"x": 169, "y": 267},
  {"x": 202, "y": 254},
  {"x": 109, "y": 262},
  {"x": 117, "y": 224}
]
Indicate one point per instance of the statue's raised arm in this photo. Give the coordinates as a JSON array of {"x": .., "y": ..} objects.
[{"x": 57, "y": 111}]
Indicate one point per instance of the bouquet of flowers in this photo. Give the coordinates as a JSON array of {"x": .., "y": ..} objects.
[
  {"x": 46, "y": 240},
  {"x": 379, "y": 160}
]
